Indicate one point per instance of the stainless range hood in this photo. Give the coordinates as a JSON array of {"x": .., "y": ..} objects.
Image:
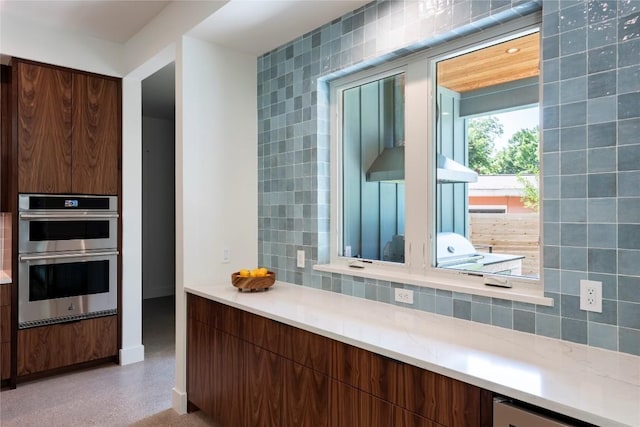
[
  {"x": 389, "y": 166},
  {"x": 450, "y": 171}
]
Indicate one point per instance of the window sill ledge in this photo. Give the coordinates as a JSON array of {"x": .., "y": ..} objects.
[{"x": 532, "y": 294}]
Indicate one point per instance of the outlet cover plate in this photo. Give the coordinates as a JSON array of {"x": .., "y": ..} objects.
[
  {"x": 404, "y": 295},
  {"x": 591, "y": 295},
  {"x": 300, "y": 258}
]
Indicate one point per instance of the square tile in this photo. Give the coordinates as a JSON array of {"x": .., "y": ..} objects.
[
  {"x": 629, "y": 236},
  {"x": 602, "y": 235},
  {"x": 602, "y": 260},
  {"x": 548, "y": 326},
  {"x": 629, "y": 341},
  {"x": 602, "y": 185},
  {"x": 524, "y": 321},
  {"x": 603, "y": 336},
  {"x": 602, "y": 160},
  {"x": 574, "y": 330},
  {"x": 629, "y": 314},
  {"x": 629, "y": 132},
  {"x": 629, "y": 289}
]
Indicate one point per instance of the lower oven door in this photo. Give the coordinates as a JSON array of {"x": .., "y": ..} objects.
[{"x": 62, "y": 286}]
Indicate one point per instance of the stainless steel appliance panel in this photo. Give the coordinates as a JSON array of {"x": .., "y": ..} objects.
[
  {"x": 55, "y": 287},
  {"x": 49, "y": 223},
  {"x": 506, "y": 414}
]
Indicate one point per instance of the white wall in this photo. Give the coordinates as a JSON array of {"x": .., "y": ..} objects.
[
  {"x": 158, "y": 205},
  {"x": 166, "y": 28},
  {"x": 216, "y": 174},
  {"x": 132, "y": 350},
  {"x": 24, "y": 40}
]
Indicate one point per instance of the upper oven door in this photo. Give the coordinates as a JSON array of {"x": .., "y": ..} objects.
[
  {"x": 54, "y": 232},
  {"x": 49, "y": 223}
]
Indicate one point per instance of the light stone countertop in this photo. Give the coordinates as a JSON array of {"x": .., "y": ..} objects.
[
  {"x": 594, "y": 385},
  {"x": 4, "y": 278}
]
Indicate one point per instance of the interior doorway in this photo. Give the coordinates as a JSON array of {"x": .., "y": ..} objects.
[{"x": 158, "y": 208}]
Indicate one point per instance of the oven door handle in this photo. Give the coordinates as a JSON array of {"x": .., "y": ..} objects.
[
  {"x": 27, "y": 258},
  {"x": 69, "y": 216}
]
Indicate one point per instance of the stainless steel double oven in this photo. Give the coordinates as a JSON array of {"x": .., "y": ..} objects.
[{"x": 68, "y": 258}]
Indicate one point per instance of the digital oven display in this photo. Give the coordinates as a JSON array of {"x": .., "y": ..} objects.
[{"x": 70, "y": 203}]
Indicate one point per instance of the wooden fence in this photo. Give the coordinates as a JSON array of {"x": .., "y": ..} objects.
[{"x": 517, "y": 234}]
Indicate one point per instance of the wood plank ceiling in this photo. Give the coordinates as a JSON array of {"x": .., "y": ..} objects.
[{"x": 492, "y": 65}]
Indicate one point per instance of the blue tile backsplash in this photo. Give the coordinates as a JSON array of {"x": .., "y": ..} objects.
[{"x": 591, "y": 156}]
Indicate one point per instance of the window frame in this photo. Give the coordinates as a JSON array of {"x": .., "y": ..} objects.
[{"x": 420, "y": 101}]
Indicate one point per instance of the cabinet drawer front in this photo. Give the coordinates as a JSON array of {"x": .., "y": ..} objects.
[
  {"x": 430, "y": 395},
  {"x": 216, "y": 315},
  {"x": 50, "y": 347},
  {"x": 306, "y": 348},
  {"x": 351, "y": 365}
]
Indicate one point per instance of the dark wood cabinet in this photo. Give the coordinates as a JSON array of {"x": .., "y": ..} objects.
[
  {"x": 5, "y": 135},
  {"x": 68, "y": 130},
  {"x": 5, "y": 332},
  {"x": 96, "y": 135},
  {"x": 282, "y": 375},
  {"x": 305, "y": 396},
  {"x": 216, "y": 380},
  {"x": 265, "y": 388},
  {"x": 50, "y": 347},
  {"x": 403, "y": 418},
  {"x": 44, "y": 128},
  {"x": 351, "y": 406},
  {"x": 427, "y": 394}
]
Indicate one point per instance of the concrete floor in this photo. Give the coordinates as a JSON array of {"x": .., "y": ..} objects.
[{"x": 108, "y": 395}]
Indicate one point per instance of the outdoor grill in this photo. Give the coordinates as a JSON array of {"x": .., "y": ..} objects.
[{"x": 457, "y": 252}]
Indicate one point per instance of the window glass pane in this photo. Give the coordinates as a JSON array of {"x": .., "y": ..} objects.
[
  {"x": 373, "y": 197},
  {"x": 488, "y": 159}
]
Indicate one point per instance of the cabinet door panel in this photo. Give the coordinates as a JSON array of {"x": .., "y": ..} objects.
[
  {"x": 351, "y": 407},
  {"x": 404, "y": 418},
  {"x": 5, "y": 360},
  {"x": 265, "y": 385},
  {"x": 96, "y": 135},
  {"x": 215, "y": 373},
  {"x": 307, "y": 396},
  {"x": 44, "y": 129},
  {"x": 201, "y": 369}
]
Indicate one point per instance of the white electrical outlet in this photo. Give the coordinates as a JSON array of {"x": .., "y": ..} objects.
[
  {"x": 226, "y": 255},
  {"x": 300, "y": 259},
  {"x": 404, "y": 295},
  {"x": 591, "y": 295}
]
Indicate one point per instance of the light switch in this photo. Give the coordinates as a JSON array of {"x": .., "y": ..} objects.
[{"x": 300, "y": 260}]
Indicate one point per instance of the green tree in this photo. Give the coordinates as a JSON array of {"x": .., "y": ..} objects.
[
  {"x": 480, "y": 134},
  {"x": 520, "y": 155},
  {"x": 530, "y": 190}
]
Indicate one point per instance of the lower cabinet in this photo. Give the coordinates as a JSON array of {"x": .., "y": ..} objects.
[
  {"x": 5, "y": 332},
  {"x": 56, "y": 346},
  {"x": 245, "y": 370}
]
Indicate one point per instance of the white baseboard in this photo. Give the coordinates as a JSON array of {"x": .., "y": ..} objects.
[
  {"x": 179, "y": 401},
  {"x": 131, "y": 355}
]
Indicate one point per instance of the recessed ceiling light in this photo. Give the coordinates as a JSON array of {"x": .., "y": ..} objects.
[{"x": 512, "y": 50}]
